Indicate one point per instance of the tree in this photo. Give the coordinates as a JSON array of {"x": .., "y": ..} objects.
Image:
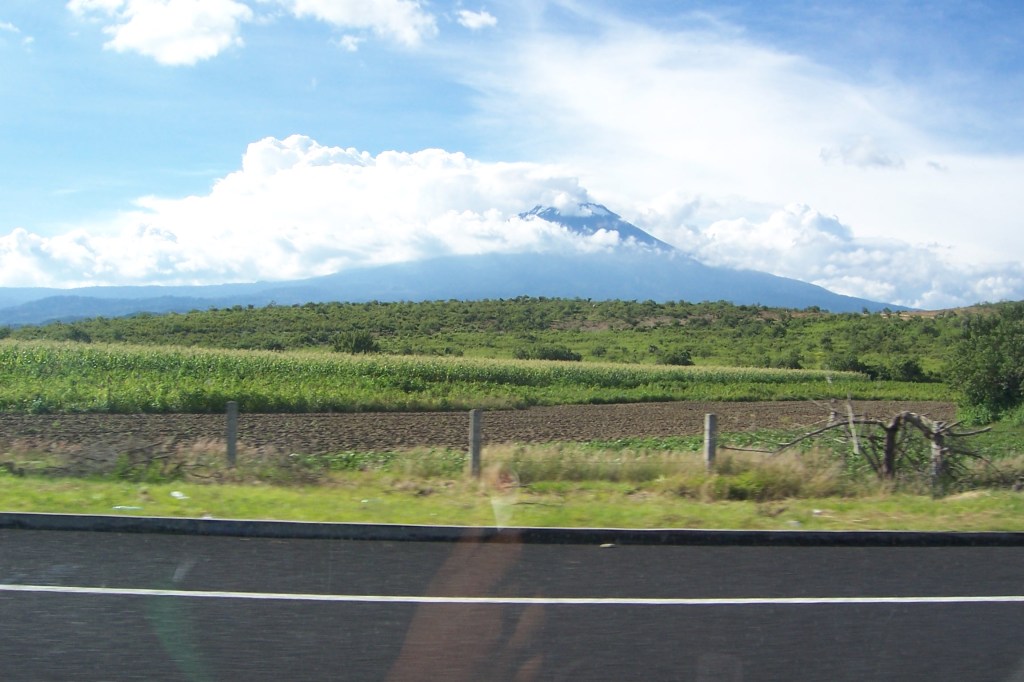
[
  {"x": 892, "y": 447},
  {"x": 986, "y": 364}
]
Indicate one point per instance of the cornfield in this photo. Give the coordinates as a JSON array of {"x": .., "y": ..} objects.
[{"x": 43, "y": 377}]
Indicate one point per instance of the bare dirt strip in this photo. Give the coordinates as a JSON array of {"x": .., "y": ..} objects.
[{"x": 327, "y": 433}]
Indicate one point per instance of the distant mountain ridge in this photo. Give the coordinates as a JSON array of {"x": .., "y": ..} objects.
[{"x": 641, "y": 268}]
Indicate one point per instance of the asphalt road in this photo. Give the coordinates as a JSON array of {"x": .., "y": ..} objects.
[{"x": 78, "y": 605}]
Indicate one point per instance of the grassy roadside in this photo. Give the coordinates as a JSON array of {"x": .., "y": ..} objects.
[
  {"x": 461, "y": 503},
  {"x": 650, "y": 483}
]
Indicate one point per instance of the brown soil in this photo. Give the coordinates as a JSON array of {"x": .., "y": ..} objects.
[{"x": 325, "y": 433}]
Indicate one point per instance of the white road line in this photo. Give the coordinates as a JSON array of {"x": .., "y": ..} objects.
[{"x": 552, "y": 601}]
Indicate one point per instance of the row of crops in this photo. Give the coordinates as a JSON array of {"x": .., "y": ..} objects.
[{"x": 45, "y": 377}]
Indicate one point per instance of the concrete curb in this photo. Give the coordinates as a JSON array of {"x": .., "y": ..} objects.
[{"x": 565, "y": 536}]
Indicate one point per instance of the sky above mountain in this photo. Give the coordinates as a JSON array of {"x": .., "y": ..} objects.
[{"x": 875, "y": 148}]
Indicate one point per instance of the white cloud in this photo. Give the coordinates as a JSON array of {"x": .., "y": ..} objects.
[
  {"x": 31, "y": 260},
  {"x": 173, "y": 32},
  {"x": 8, "y": 27},
  {"x": 350, "y": 43},
  {"x": 639, "y": 113},
  {"x": 296, "y": 208},
  {"x": 802, "y": 243},
  {"x": 404, "y": 21},
  {"x": 184, "y": 32},
  {"x": 475, "y": 21}
]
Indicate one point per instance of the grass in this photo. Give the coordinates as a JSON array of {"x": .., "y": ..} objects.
[
  {"x": 465, "y": 503},
  {"x": 656, "y": 484}
]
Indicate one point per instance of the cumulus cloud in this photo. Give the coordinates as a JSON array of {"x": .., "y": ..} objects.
[
  {"x": 185, "y": 32},
  {"x": 297, "y": 208},
  {"x": 404, "y": 21},
  {"x": 475, "y": 21},
  {"x": 173, "y": 32},
  {"x": 800, "y": 242}
]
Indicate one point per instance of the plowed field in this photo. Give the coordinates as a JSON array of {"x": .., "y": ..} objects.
[{"x": 325, "y": 433}]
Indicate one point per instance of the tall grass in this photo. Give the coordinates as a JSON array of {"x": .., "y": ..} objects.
[
  {"x": 669, "y": 469},
  {"x": 548, "y": 469},
  {"x": 52, "y": 377},
  {"x": 740, "y": 476}
]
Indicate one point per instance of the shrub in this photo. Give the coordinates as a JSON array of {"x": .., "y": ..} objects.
[
  {"x": 355, "y": 342},
  {"x": 902, "y": 369},
  {"x": 846, "y": 362},
  {"x": 790, "y": 360},
  {"x": 987, "y": 362},
  {"x": 548, "y": 353},
  {"x": 680, "y": 358},
  {"x": 762, "y": 479}
]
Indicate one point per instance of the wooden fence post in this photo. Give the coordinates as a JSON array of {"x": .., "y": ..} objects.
[
  {"x": 232, "y": 432},
  {"x": 938, "y": 458},
  {"x": 710, "y": 441},
  {"x": 474, "y": 443}
]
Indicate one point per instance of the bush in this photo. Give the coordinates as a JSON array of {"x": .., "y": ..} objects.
[
  {"x": 548, "y": 353},
  {"x": 1016, "y": 416},
  {"x": 895, "y": 369},
  {"x": 762, "y": 479},
  {"x": 846, "y": 362},
  {"x": 987, "y": 362},
  {"x": 902, "y": 369},
  {"x": 355, "y": 342},
  {"x": 790, "y": 360},
  {"x": 680, "y": 358}
]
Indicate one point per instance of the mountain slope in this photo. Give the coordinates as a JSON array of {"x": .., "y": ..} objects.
[
  {"x": 640, "y": 268},
  {"x": 653, "y": 276}
]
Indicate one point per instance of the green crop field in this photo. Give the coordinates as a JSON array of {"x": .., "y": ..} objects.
[
  {"x": 42, "y": 377},
  {"x": 462, "y": 355}
]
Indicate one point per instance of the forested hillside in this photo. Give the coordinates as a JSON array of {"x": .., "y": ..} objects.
[{"x": 900, "y": 346}]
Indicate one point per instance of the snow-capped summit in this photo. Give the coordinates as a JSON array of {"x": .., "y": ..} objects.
[{"x": 590, "y": 218}]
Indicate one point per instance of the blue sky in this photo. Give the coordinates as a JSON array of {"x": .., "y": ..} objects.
[{"x": 875, "y": 148}]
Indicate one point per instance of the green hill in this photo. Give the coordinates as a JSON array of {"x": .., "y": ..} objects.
[{"x": 901, "y": 346}]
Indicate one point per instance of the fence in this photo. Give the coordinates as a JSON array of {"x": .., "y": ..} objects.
[{"x": 476, "y": 439}]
